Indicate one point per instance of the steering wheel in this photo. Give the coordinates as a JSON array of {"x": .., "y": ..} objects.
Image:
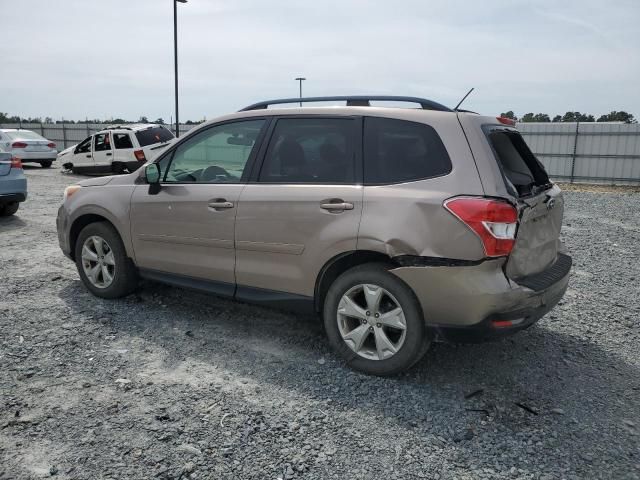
[{"x": 214, "y": 172}]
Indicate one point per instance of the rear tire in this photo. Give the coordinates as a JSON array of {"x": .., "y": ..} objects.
[
  {"x": 9, "y": 209},
  {"x": 374, "y": 321},
  {"x": 100, "y": 253},
  {"x": 46, "y": 163}
]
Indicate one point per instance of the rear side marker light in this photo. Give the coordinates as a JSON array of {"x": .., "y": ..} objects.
[
  {"x": 18, "y": 145},
  {"x": 16, "y": 162},
  {"x": 140, "y": 155},
  {"x": 51, "y": 145},
  {"x": 494, "y": 221}
]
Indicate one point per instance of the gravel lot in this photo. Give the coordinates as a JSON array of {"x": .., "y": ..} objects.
[{"x": 169, "y": 383}]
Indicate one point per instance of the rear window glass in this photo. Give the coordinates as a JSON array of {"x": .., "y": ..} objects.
[
  {"x": 519, "y": 165},
  {"x": 398, "y": 151},
  {"x": 153, "y": 135},
  {"x": 24, "y": 135}
]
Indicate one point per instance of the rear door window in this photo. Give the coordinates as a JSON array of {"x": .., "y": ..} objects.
[
  {"x": 122, "y": 140},
  {"x": 519, "y": 165},
  {"x": 153, "y": 135},
  {"x": 311, "y": 150},
  {"x": 397, "y": 151}
]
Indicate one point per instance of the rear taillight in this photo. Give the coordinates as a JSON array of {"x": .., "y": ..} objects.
[
  {"x": 51, "y": 145},
  {"x": 140, "y": 155},
  {"x": 506, "y": 121},
  {"x": 494, "y": 221},
  {"x": 18, "y": 145},
  {"x": 16, "y": 163}
]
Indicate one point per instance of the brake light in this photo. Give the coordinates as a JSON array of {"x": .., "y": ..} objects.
[
  {"x": 18, "y": 145},
  {"x": 16, "y": 162},
  {"x": 506, "y": 121},
  {"x": 494, "y": 221},
  {"x": 51, "y": 145},
  {"x": 140, "y": 155}
]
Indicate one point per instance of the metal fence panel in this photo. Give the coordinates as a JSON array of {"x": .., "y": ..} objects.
[
  {"x": 587, "y": 151},
  {"x": 581, "y": 152}
]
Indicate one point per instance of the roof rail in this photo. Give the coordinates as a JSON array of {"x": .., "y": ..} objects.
[
  {"x": 117, "y": 127},
  {"x": 353, "y": 101}
]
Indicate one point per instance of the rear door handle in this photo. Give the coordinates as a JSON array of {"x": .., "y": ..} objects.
[
  {"x": 220, "y": 203},
  {"x": 88, "y": 156},
  {"x": 109, "y": 154},
  {"x": 336, "y": 206}
]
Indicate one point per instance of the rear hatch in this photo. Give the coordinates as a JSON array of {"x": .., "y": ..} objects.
[
  {"x": 154, "y": 140},
  {"x": 540, "y": 203},
  {"x": 5, "y": 163}
]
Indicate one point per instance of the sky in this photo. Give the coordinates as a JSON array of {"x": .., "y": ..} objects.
[{"x": 114, "y": 58}]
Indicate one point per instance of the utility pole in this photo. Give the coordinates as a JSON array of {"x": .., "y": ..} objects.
[{"x": 175, "y": 57}]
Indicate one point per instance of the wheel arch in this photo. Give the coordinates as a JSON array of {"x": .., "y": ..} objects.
[
  {"x": 81, "y": 222},
  {"x": 339, "y": 264}
]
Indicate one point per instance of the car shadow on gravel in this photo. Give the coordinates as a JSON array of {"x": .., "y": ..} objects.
[
  {"x": 555, "y": 394},
  {"x": 11, "y": 223}
]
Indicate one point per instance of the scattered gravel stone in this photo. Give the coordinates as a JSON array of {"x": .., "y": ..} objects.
[{"x": 244, "y": 397}]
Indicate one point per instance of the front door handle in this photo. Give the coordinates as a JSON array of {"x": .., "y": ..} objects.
[
  {"x": 109, "y": 154},
  {"x": 220, "y": 203},
  {"x": 88, "y": 156},
  {"x": 337, "y": 205}
]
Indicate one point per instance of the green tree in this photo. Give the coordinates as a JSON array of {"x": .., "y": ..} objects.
[
  {"x": 617, "y": 117},
  {"x": 541, "y": 117},
  {"x": 557, "y": 118},
  {"x": 159, "y": 120},
  {"x": 143, "y": 119},
  {"x": 577, "y": 117}
]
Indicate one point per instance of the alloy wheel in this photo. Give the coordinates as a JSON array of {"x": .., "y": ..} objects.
[
  {"x": 98, "y": 262},
  {"x": 371, "y": 322}
]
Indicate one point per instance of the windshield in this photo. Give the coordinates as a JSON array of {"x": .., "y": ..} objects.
[{"x": 153, "y": 135}]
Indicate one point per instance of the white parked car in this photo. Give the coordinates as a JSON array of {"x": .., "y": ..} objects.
[
  {"x": 28, "y": 146},
  {"x": 116, "y": 149}
]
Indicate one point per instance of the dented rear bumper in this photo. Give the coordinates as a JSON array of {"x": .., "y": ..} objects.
[{"x": 479, "y": 302}]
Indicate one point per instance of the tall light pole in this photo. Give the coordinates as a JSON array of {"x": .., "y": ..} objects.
[
  {"x": 175, "y": 57},
  {"x": 300, "y": 79}
]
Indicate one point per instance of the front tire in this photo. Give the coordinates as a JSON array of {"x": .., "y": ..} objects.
[
  {"x": 9, "y": 209},
  {"x": 374, "y": 321},
  {"x": 102, "y": 262}
]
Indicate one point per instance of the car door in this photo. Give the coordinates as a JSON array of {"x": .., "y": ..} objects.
[
  {"x": 304, "y": 207},
  {"x": 123, "y": 147},
  {"x": 187, "y": 228},
  {"x": 102, "y": 149},
  {"x": 82, "y": 156}
]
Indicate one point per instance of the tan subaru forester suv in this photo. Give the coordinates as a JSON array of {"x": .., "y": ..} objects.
[{"x": 399, "y": 226}]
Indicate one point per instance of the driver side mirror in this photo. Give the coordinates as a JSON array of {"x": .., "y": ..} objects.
[{"x": 152, "y": 174}]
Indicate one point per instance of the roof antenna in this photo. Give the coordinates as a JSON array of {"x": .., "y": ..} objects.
[{"x": 463, "y": 99}]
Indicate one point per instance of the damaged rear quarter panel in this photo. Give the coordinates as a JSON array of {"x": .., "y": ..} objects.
[{"x": 409, "y": 218}]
